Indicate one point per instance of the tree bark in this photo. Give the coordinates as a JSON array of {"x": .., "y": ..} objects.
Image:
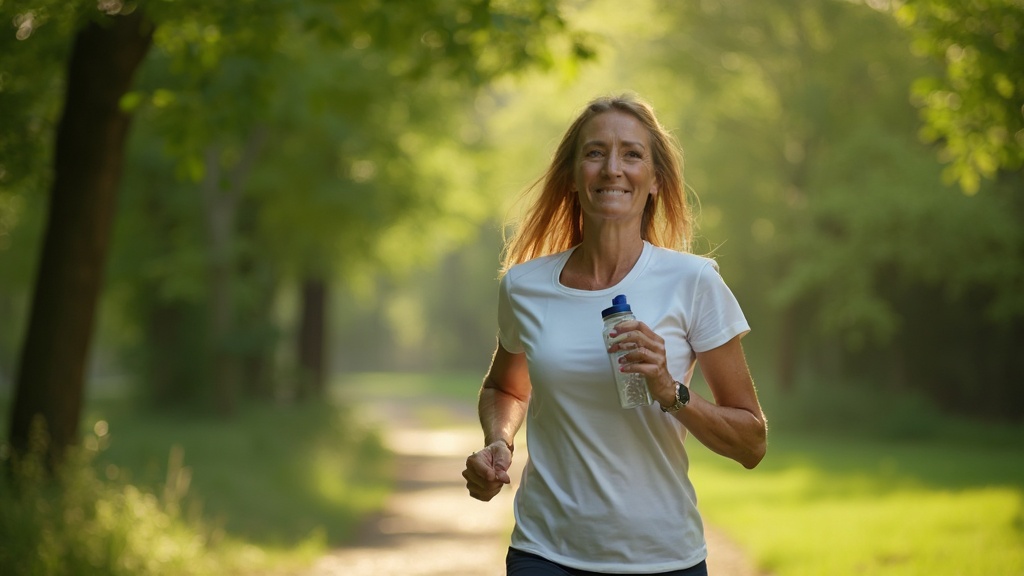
[
  {"x": 312, "y": 339},
  {"x": 87, "y": 168}
]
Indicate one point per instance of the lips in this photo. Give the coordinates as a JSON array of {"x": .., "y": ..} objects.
[{"x": 611, "y": 191}]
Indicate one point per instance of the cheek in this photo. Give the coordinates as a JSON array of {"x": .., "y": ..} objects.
[{"x": 583, "y": 174}]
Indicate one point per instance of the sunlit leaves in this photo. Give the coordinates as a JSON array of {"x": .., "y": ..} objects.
[{"x": 976, "y": 110}]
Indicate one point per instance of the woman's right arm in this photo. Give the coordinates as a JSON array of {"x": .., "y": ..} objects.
[{"x": 504, "y": 398}]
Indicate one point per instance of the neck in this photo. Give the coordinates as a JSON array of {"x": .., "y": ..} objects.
[{"x": 602, "y": 259}]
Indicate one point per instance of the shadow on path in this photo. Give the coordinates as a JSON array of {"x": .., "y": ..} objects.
[{"x": 431, "y": 526}]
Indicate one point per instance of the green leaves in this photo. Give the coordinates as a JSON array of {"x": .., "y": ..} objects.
[{"x": 975, "y": 110}]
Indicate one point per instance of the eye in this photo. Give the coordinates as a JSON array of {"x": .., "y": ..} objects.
[
  {"x": 634, "y": 154},
  {"x": 595, "y": 153}
]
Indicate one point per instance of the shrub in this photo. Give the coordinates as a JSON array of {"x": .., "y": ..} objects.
[{"x": 72, "y": 522}]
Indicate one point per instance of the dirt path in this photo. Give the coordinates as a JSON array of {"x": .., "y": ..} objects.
[{"x": 431, "y": 527}]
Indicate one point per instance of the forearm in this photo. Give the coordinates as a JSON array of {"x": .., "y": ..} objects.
[
  {"x": 735, "y": 433},
  {"x": 501, "y": 413}
]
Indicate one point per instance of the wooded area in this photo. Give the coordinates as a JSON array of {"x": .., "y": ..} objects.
[{"x": 311, "y": 187}]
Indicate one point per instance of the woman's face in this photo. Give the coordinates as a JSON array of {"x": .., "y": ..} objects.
[{"x": 614, "y": 172}]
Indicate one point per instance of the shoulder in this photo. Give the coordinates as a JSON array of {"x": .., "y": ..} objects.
[
  {"x": 682, "y": 264},
  {"x": 538, "y": 268}
]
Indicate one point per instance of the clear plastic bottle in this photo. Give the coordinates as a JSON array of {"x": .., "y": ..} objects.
[{"x": 632, "y": 387}]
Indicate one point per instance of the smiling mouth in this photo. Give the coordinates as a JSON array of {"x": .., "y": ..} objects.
[{"x": 611, "y": 191}]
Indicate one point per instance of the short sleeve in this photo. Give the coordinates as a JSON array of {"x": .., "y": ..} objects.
[
  {"x": 717, "y": 316},
  {"x": 508, "y": 327}
]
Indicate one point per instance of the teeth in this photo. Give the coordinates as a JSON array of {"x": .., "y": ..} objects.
[{"x": 611, "y": 191}]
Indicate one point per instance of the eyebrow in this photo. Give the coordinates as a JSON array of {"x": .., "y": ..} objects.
[{"x": 627, "y": 143}]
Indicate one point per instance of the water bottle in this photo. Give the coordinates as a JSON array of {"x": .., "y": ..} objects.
[{"x": 632, "y": 387}]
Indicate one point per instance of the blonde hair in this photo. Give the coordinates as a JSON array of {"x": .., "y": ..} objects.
[{"x": 554, "y": 221}]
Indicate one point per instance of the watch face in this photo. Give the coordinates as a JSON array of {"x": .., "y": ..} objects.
[{"x": 684, "y": 394}]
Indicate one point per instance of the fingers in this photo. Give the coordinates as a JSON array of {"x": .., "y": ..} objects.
[
  {"x": 642, "y": 348},
  {"x": 487, "y": 472},
  {"x": 635, "y": 335},
  {"x": 646, "y": 355},
  {"x": 644, "y": 360}
]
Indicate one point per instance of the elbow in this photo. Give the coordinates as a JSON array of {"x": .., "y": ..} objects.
[
  {"x": 751, "y": 460},
  {"x": 757, "y": 448}
]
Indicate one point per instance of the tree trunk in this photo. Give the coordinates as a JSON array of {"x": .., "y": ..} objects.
[
  {"x": 256, "y": 322},
  {"x": 87, "y": 169},
  {"x": 221, "y": 205},
  {"x": 222, "y": 194},
  {"x": 312, "y": 340}
]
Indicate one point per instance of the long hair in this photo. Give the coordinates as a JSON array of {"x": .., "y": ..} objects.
[{"x": 554, "y": 221}]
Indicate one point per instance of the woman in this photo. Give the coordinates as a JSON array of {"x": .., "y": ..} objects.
[{"x": 606, "y": 490}]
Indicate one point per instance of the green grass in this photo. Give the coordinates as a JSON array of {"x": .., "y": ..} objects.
[
  {"x": 949, "y": 500},
  {"x": 272, "y": 475},
  {"x": 266, "y": 490}
]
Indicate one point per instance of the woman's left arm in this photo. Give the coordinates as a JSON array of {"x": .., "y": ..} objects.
[{"x": 733, "y": 425}]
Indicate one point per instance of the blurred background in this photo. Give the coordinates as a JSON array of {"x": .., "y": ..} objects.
[{"x": 312, "y": 193}]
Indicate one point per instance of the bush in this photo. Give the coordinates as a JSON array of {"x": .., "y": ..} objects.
[{"x": 72, "y": 522}]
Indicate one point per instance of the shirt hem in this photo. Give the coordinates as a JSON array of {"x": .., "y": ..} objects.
[{"x": 632, "y": 568}]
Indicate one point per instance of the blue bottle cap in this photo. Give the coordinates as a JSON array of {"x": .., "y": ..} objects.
[{"x": 618, "y": 305}]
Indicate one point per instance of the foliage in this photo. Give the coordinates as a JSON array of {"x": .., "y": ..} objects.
[
  {"x": 185, "y": 495},
  {"x": 838, "y": 226},
  {"x": 976, "y": 109},
  {"x": 825, "y": 210},
  {"x": 79, "y": 523},
  {"x": 275, "y": 141},
  {"x": 345, "y": 153},
  {"x": 276, "y": 476},
  {"x": 30, "y": 87}
]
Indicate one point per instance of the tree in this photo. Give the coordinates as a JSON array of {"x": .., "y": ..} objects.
[
  {"x": 354, "y": 117},
  {"x": 87, "y": 167},
  {"x": 976, "y": 110},
  {"x": 213, "y": 56}
]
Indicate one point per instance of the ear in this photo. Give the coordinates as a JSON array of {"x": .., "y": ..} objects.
[{"x": 654, "y": 190}]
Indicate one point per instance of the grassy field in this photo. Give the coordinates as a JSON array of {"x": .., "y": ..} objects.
[
  {"x": 832, "y": 505},
  {"x": 889, "y": 487}
]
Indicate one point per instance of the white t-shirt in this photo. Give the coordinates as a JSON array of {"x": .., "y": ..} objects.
[{"x": 606, "y": 488}]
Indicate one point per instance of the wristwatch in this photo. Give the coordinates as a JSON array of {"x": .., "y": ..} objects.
[{"x": 682, "y": 399}]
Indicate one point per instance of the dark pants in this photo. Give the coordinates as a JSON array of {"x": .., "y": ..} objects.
[{"x": 519, "y": 563}]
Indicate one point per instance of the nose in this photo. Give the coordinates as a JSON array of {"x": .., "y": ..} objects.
[{"x": 612, "y": 165}]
